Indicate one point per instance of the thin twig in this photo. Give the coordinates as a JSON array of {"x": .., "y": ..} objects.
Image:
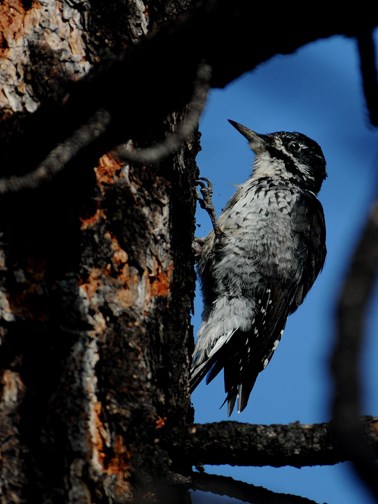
[
  {"x": 222, "y": 485},
  {"x": 60, "y": 155},
  {"x": 351, "y": 316},
  {"x": 184, "y": 130}
]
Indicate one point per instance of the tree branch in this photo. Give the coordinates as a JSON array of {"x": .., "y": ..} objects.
[
  {"x": 184, "y": 129},
  {"x": 241, "y": 444},
  {"x": 158, "y": 72},
  {"x": 245, "y": 492},
  {"x": 60, "y": 156},
  {"x": 366, "y": 51},
  {"x": 351, "y": 316},
  {"x": 97, "y": 124}
]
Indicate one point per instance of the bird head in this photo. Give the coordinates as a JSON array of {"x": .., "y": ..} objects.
[{"x": 289, "y": 155}]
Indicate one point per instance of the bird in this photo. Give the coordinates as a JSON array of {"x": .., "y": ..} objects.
[{"x": 258, "y": 265}]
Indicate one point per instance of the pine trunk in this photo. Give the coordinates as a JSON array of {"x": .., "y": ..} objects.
[{"x": 97, "y": 279}]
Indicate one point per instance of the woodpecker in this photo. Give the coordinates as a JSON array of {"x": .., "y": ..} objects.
[{"x": 261, "y": 264}]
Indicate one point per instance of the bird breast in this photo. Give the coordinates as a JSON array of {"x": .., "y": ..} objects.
[{"x": 258, "y": 241}]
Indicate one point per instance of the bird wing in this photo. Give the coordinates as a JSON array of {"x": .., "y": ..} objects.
[
  {"x": 249, "y": 352},
  {"x": 202, "y": 365},
  {"x": 310, "y": 234}
]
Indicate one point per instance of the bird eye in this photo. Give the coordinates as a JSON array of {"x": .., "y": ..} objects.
[{"x": 294, "y": 146}]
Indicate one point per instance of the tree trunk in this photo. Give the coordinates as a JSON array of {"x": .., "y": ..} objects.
[{"x": 97, "y": 279}]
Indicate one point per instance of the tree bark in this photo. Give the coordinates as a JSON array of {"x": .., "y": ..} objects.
[
  {"x": 97, "y": 282},
  {"x": 295, "y": 444}
]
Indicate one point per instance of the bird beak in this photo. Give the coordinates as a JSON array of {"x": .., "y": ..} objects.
[{"x": 257, "y": 142}]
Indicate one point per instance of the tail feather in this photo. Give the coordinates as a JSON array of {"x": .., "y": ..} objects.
[
  {"x": 234, "y": 336},
  {"x": 212, "y": 351},
  {"x": 245, "y": 389},
  {"x": 213, "y": 335},
  {"x": 198, "y": 372},
  {"x": 206, "y": 365},
  {"x": 238, "y": 385},
  {"x": 215, "y": 369},
  {"x": 230, "y": 400}
]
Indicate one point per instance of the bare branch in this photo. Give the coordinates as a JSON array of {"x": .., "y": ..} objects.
[
  {"x": 161, "y": 68},
  {"x": 366, "y": 50},
  {"x": 184, "y": 130},
  {"x": 241, "y": 444},
  {"x": 245, "y": 492},
  {"x": 97, "y": 125},
  {"x": 60, "y": 155},
  {"x": 351, "y": 316}
]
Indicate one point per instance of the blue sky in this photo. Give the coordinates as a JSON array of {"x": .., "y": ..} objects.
[{"x": 316, "y": 91}]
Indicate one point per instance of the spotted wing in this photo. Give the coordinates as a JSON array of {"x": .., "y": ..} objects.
[{"x": 310, "y": 235}]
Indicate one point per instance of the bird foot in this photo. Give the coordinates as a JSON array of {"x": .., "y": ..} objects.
[{"x": 206, "y": 202}]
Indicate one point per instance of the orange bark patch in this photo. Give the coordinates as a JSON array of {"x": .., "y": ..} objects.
[
  {"x": 160, "y": 422},
  {"x": 127, "y": 296},
  {"x": 13, "y": 386},
  {"x": 108, "y": 169},
  {"x": 127, "y": 287},
  {"x": 119, "y": 463},
  {"x": 160, "y": 284},
  {"x": 98, "y": 434},
  {"x": 123, "y": 286},
  {"x": 116, "y": 283},
  {"x": 90, "y": 287},
  {"x": 119, "y": 255},
  {"x": 12, "y": 15},
  {"x": 93, "y": 219},
  {"x": 159, "y": 281}
]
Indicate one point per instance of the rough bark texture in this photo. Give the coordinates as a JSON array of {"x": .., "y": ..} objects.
[
  {"x": 295, "y": 444},
  {"x": 96, "y": 283}
]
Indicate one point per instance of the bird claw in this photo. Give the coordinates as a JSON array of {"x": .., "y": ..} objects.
[
  {"x": 206, "y": 189},
  {"x": 205, "y": 201},
  {"x": 197, "y": 247}
]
